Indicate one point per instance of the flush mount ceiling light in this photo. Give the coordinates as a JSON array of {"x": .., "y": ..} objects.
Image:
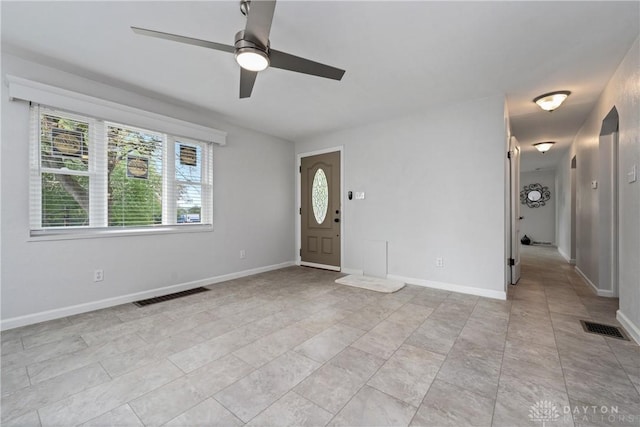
[
  {"x": 551, "y": 101},
  {"x": 543, "y": 147}
]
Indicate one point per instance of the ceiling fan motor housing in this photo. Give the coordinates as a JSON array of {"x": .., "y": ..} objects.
[{"x": 250, "y": 47}]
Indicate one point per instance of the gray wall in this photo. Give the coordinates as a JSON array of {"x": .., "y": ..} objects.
[
  {"x": 253, "y": 210},
  {"x": 623, "y": 92},
  {"x": 434, "y": 184},
  {"x": 539, "y": 223}
]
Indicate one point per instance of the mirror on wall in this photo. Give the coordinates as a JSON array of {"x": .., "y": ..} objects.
[{"x": 535, "y": 195}]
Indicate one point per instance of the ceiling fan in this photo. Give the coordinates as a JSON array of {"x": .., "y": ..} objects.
[{"x": 252, "y": 48}]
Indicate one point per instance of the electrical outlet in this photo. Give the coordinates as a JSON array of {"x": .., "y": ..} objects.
[
  {"x": 439, "y": 262},
  {"x": 243, "y": 254},
  {"x": 98, "y": 275}
]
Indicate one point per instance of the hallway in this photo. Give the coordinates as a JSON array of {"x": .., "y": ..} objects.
[{"x": 552, "y": 351}]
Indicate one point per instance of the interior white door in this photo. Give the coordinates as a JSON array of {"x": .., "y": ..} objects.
[{"x": 515, "y": 218}]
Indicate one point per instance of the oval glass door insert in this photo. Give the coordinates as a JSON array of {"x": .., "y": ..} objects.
[{"x": 320, "y": 196}]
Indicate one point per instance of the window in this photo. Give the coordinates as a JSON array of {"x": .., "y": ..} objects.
[{"x": 93, "y": 174}]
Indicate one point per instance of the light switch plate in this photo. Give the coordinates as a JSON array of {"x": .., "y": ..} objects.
[{"x": 594, "y": 184}]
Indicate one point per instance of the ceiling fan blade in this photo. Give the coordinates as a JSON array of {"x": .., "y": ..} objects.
[
  {"x": 247, "y": 79},
  {"x": 289, "y": 62},
  {"x": 259, "y": 20},
  {"x": 183, "y": 39}
]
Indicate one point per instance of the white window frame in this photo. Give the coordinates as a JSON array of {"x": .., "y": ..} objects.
[{"x": 98, "y": 183}]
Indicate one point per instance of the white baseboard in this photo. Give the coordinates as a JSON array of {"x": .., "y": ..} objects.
[
  {"x": 451, "y": 287},
  {"x": 57, "y": 313},
  {"x": 600, "y": 292},
  {"x": 563, "y": 254},
  {"x": 632, "y": 330},
  {"x": 353, "y": 271},
  {"x": 570, "y": 260}
]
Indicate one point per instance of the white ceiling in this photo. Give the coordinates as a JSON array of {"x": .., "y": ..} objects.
[{"x": 399, "y": 57}]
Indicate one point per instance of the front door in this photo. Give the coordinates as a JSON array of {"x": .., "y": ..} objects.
[{"x": 320, "y": 211}]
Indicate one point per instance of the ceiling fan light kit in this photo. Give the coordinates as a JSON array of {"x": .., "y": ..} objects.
[
  {"x": 252, "y": 47},
  {"x": 543, "y": 147},
  {"x": 552, "y": 100}
]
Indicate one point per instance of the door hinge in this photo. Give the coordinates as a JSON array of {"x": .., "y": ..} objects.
[
  {"x": 300, "y": 211},
  {"x": 300, "y": 169},
  {"x": 300, "y": 251},
  {"x": 511, "y": 261},
  {"x": 509, "y": 154}
]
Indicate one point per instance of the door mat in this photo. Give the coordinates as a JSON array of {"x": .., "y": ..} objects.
[{"x": 371, "y": 283}]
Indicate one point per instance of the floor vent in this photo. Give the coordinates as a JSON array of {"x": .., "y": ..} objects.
[
  {"x": 600, "y": 329},
  {"x": 163, "y": 298}
]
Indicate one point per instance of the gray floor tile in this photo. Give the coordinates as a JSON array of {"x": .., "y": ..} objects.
[
  {"x": 121, "y": 416},
  {"x": 12, "y": 379},
  {"x": 12, "y": 345},
  {"x": 95, "y": 401},
  {"x": 435, "y": 335},
  {"x": 292, "y": 410},
  {"x": 449, "y": 405},
  {"x": 408, "y": 374},
  {"x": 128, "y": 361},
  {"x": 329, "y": 342},
  {"x": 473, "y": 367},
  {"x": 166, "y": 402},
  {"x": 28, "y": 399},
  {"x": 412, "y": 315},
  {"x": 335, "y": 383},
  {"x": 209, "y": 413},
  {"x": 50, "y": 368},
  {"x": 370, "y": 407},
  {"x": 385, "y": 338},
  {"x": 43, "y": 352},
  {"x": 268, "y": 348},
  {"x": 219, "y": 374},
  {"x": 369, "y": 316},
  {"x": 30, "y": 419},
  {"x": 257, "y": 391},
  {"x": 517, "y": 397}
]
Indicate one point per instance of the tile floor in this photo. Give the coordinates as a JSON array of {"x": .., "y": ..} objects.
[{"x": 291, "y": 347}]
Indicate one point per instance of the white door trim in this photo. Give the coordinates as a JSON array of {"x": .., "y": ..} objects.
[{"x": 299, "y": 158}]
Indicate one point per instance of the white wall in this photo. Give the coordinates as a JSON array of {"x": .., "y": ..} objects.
[
  {"x": 564, "y": 205},
  {"x": 539, "y": 223},
  {"x": 253, "y": 210},
  {"x": 434, "y": 184},
  {"x": 623, "y": 92}
]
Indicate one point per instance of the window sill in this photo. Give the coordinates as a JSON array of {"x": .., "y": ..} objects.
[{"x": 98, "y": 233}]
